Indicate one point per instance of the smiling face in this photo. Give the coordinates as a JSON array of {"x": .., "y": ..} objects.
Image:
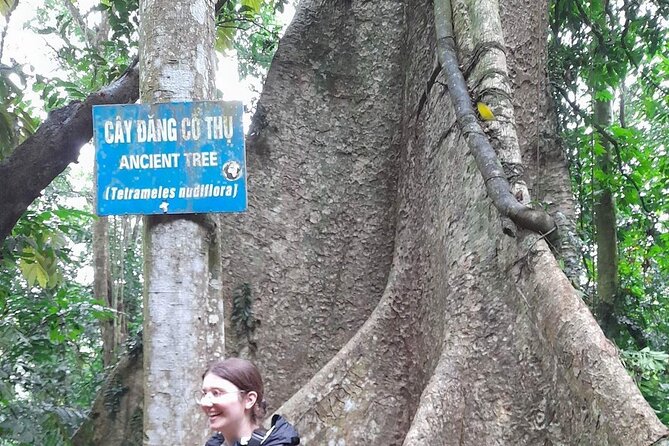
[{"x": 228, "y": 408}]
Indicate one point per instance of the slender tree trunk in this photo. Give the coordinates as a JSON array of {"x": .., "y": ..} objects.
[
  {"x": 102, "y": 281},
  {"x": 105, "y": 285},
  {"x": 183, "y": 327},
  {"x": 118, "y": 295},
  {"x": 102, "y": 287},
  {"x": 605, "y": 229}
]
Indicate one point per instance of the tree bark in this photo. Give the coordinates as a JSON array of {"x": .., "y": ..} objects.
[
  {"x": 55, "y": 144},
  {"x": 183, "y": 328},
  {"x": 116, "y": 416},
  {"x": 500, "y": 166},
  {"x": 478, "y": 338},
  {"x": 102, "y": 287},
  {"x": 605, "y": 232},
  {"x": 315, "y": 246},
  {"x": 543, "y": 154}
]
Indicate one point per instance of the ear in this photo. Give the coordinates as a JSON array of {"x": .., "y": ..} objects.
[{"x": 250, "y": 400}]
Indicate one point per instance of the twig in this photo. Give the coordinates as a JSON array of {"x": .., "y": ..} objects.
[{"x": 89, "y": 36}]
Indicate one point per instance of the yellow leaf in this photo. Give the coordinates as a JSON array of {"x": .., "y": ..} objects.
[
  {"x": 485, "y": 111},
  {"x": 49, "y": 270},
  {"x": 6, "y": 7},
  {"x": 29, "y": 271},
  {"x": 253, "y": 4},
  {"x": 42, "y": 276},
  {"x": 37, "y": 273}
]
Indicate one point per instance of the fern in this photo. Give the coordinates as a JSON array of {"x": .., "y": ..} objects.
[{"x": 242, "y": 314}]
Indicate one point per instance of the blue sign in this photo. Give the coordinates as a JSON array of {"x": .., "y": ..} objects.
[{"x": 170, "y": 158}]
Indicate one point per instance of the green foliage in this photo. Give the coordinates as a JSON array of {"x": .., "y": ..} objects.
[
  {"x": 242, "y": 314},
  {"x": 16, "y": 119},
  {"x": 254, "y": 22},
  {"x": 90, "y": 57},
  {"x": 50, "y": 356},
  {"x": 38, "y": 244},
  {"x": 650, "y": 370},
  {"x": 615, "y": 51},
  {"x": 255, "y": 45},
  {"x": 124, "y": 20},
  {"x": 49, "y": 360}
]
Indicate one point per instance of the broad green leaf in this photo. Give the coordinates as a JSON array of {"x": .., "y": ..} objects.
[
  {"x": 598, "y": 149},
  {"x": 29, "y": 271},
  {"x": 225, "y": 36},
  {"x": 650, "y": 107},
  {"x": 603, "y": 95},
  {"x": 55, "y": 335},
  {"x": 254, "y": 5},
  {"x": 621, "y": 132}
]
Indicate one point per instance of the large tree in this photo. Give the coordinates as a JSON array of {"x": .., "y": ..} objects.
[
  {"x": 373, "y": 279},
  {"x": 369, "y": 213}
]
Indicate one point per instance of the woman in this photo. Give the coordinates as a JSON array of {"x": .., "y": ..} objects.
[{"x": 232, "y": 398}]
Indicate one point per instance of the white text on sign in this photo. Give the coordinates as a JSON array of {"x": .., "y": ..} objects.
[
  {"x": 127, "y": 131},
  {"x": 168, "y": 160}
]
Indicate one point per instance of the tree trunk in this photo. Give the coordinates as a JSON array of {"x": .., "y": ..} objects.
[
  {"x": 315, "y": 247},
  {"x": 127, "y": 238},
  {"x": 605, "y": 231},
  {"x": 116, "y": 416},
  {"x": 478, "y": 338},
  {"x": 183, "y": 328},
  {"x": 543, "y": 156},
  {"x": 102, "y": 287}
]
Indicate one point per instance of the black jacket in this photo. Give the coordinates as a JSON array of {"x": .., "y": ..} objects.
[{"x": 282, "y": 433}]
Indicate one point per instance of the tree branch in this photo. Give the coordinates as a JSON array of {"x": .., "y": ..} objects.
[
  {"x": 496, "y": 182},
  {"x": 630, "y": 56},
  {"x": 56, "y": 143},
  {"x": 87, "y": 34},
  {"x": 3, "y": 35}
]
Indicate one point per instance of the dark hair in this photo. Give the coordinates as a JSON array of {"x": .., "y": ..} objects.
[{"x": 246, "y": 377}]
